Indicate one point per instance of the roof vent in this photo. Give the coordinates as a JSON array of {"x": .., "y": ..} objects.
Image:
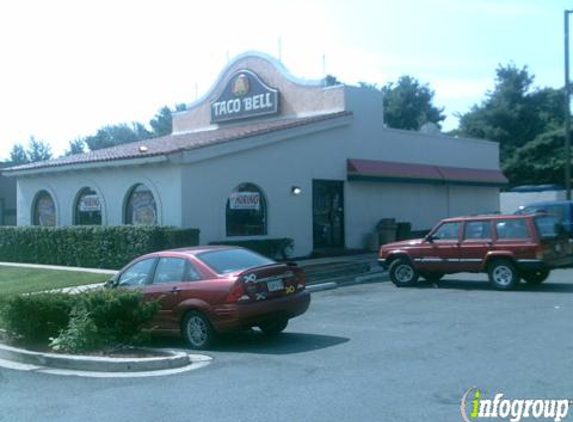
[{"x": 143, "y": 149}]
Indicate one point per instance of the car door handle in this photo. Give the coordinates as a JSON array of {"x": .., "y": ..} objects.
[{"x": 175, "y": 290}]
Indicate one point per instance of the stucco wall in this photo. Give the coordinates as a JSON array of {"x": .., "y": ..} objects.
[
  {"x": 112, "y": 185},
  {"x": 277, "y": 167}
]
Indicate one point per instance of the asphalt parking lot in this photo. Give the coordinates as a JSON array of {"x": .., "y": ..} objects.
[{"x": 368, "y": 352}]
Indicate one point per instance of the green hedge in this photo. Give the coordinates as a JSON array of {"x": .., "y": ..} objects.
[
  {"x": 90, "y": 320},
  {"x": 89, "y": 246},
  {"x": 280, "y": 248}
]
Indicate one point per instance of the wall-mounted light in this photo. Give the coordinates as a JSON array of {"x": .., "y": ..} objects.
[{"x": 296, "y": 190}]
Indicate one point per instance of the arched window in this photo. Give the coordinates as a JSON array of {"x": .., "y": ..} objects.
[
  {"x": 88, "y": 208},
  {"x": 140, "y": 206},
  {"x": 246, "y": 211},
  {"x": 44, "y": 210}
]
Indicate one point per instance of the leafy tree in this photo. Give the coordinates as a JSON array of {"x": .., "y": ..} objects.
[
  {"x": 539, "y": 161},
  {"x": 112, "y": 135},
  {"x": 408, "y": 104},
  {"x": 526, "y": 121},
  {"x": 38, "y": 150},
  {"x": 513, "y": 113},
  {"x": 18, "y": 155},
  {"x": 162, "y": 122},
  {"x": 77, "y": 146}
]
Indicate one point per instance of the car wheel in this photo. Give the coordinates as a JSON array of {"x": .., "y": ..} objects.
[
  {"x": 197, "y": 330},
  {"x": 536, "y": 277},
  {"x": 433, "y": 277},
  {"x": 503, "y": 275},
  {"x": 402, "y": 273},
  {"x": 272, "y": 328}
]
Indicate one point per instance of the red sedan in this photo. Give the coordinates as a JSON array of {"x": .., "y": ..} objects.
[{"x": 207, "y": 290}]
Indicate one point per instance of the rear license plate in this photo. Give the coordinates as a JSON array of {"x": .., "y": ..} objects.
[{"x": 274, "y": 285}]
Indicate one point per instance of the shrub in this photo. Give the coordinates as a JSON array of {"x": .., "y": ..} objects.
[
  {"x": 36, "y": 317},
  {"x": 84, "y": 321},
  {"x": 80, "y": 334},
  {"x": 119, "y": 315},
  {"x": 280, "y": 248},
  {"x": 89, "y": 246}
]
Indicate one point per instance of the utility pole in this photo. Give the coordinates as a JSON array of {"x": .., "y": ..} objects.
[{"x": 567, "y": 110}]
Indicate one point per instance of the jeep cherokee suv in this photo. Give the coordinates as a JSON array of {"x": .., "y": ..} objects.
[{"x": 507, "y": 247}]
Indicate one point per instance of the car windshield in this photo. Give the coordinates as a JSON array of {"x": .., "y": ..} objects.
[
  {"x": 225, "y": 261},
  {"x": 548, "y": 226}
]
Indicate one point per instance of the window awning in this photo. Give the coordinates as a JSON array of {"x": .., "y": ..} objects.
[{"x": 391, "y": 171}]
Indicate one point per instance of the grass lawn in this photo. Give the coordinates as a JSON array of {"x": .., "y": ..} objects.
[{"x": 22, "y": 280}]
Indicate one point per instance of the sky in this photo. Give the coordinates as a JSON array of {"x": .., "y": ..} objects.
[{"x": 70, "y": 67}]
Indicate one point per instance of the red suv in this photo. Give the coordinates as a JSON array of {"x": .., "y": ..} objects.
[
  {"x": 507, "y": 247},
  {"x": 213, "y": 289}
]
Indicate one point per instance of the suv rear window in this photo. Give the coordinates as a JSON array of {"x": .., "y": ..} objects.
[
  {"x": 515, "y": 228},
  {"x": 548, "y": 226},
  {"x": 225, "y": 261}
]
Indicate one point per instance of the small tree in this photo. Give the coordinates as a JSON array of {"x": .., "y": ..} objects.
[
  {"x": 408, "y": 104},
  {"x": 162, "y": 122},
  {"x": 38, "y": 150},
  {"x": 18, "y": 154},
  {"x": 77, "y": 146}
]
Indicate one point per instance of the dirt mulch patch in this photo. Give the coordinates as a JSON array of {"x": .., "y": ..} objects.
[{"x": 116, "y": 352}]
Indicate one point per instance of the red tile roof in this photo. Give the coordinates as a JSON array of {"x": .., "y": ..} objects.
[
  {"x": 422, "y": 173},
  {"x": 178, "y": 142}
]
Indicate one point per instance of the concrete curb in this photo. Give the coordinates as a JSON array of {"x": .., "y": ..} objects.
[
  {"x": 95, "y": 363},
  {"x": 322, "y": 286},
  {"x": 370, "y": 278}
]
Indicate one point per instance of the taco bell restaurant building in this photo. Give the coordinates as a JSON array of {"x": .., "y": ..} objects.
[{"x": 266, "y": 155}]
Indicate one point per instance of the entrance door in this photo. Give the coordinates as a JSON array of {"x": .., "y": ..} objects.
[{"x": 328, "y": 213}]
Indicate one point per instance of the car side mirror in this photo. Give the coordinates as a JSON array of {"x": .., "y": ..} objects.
[
  {"x": 430, "y": 238},
  {"x": 110, "y": 283}
]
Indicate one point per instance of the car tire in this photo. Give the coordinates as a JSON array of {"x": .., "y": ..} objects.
[
  {"x": 433, "y": 277},
  {"x": 503, "y": 275},
  {"x": 402, "y": 273},
  {"x": 272, "y": 328},
  {"x": 197, "y": 330},
  {"x": 535, "y": 277}
]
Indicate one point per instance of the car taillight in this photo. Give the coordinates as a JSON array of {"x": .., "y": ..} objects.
[{"x": 237, "y": 293}]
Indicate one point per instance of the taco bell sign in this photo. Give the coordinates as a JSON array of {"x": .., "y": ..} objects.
[{"x": 244, "y": 96}]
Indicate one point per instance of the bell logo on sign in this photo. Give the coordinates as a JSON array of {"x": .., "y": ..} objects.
[{"x": 241, "y": 86}]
